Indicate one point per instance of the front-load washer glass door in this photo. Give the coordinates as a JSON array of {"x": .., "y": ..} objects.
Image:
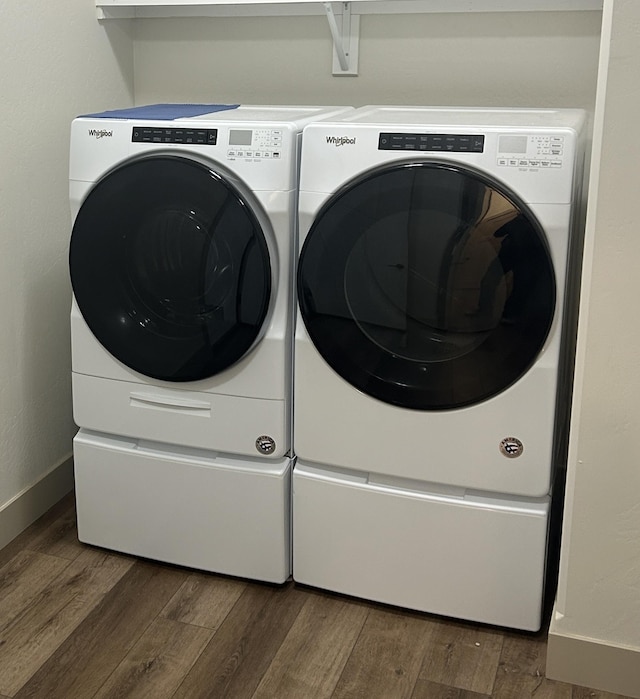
[
  {"x": 170, "y": 268},
  {"x": 427, "y": 285}
]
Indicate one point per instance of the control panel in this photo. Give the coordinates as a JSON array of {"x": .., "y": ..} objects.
[
  {"x": 452, "y": 143},
  {"x": 523, "y": 151},
  {"x": 150, "y": 134},
  {"x": 261, "y": 144}
]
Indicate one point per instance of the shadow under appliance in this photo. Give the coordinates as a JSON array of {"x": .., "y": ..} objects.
[
  {"x": 181, "y": 258},
  {"x": 429, "y": 353}
]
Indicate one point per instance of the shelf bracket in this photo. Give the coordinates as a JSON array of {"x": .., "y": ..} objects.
[{"x": 346, "y": 39}]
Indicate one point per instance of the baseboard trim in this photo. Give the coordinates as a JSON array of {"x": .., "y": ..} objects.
[
  {"x": 591, "y": 663},
  {"x": 23, "y": 509}
]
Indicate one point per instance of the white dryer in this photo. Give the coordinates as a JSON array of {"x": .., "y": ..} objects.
[
  {"x": 181, "y": 261},
  {"x": 433, "y": 293}
]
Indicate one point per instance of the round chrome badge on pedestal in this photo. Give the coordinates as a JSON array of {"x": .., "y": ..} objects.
[
  {"x": 511, "y": 447},
  {"x": 265, "y": 444}
]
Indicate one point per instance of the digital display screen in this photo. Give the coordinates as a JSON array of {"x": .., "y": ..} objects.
[
  {"x": 513, "y": 144},
  {"x": 240, "y": 137}
]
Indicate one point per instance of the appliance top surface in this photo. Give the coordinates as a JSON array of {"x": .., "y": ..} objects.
[
  {"x": 297, "y": 116},
  {"x": 265, "y": 113},
  {"x": 465, "y": 116}
]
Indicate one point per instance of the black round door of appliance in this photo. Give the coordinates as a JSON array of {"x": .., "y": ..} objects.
[
  {"x": 170, "y": 268},
  {"x": 427, "y": 286}
]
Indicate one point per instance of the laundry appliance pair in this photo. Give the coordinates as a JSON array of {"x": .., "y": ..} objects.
[
  {"x": 181, "y": 261},
  {"x": 437, "y": 294},
  {"x": 436, "y": 283}
]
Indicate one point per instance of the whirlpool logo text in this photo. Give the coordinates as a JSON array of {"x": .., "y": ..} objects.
[
  {"x": 341, "y": 141},
  {"x": 100, "y": 133}
]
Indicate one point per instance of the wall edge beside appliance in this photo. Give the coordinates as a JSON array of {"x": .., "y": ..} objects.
[
  {"x": 590, "y": 199},
  {"x": 34, "y": 500},
  {"x": 593, "y": 663},
  {"x": 579, "y": 659}
]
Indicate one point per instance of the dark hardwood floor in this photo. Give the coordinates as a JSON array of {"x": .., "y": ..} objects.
[{"x": 78, "y": 622}]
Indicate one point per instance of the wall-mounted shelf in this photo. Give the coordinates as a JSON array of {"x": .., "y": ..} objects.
[
  {"x": 343, "y": 17},
  {"x": 108, "y": 9}
]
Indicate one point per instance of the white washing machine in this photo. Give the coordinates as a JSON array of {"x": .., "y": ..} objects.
[
  {"x": 180, "y": 259},
  {"x": 433, "y": 293}
]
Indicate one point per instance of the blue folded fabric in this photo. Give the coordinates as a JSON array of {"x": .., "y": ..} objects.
[{"x": 167, "y": 112}]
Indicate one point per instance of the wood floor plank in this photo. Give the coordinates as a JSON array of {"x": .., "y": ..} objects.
[
  {"x": 311, "y": 658},
  {"x": 80, "y": 666},
  {"x": 242, "y": 649},
  {"x": 22, "y": 579},
  {"x": 387, "y": 657},
  {"x": 34, "y": 530},
  {"x": 60, "y": 538},
  {"x": 521, "y": 671},
  {"x": 204, "y": 600},
  {"x": 425, "y": 689},
  {"x": 463, "y": 656},
  {"x": 584, "y": 693},
  {"x": 158, "y": 662},
  {"x": 54, "y": 614}
]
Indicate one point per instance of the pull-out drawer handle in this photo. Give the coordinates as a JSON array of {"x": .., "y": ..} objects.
[{"x": 193, "y": 407}]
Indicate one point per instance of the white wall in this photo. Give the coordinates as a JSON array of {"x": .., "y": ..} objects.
[
  {"x": 56, "y": 62},
  {"x": 513, "y": 59},
  {"x": 597, "y": 613}
]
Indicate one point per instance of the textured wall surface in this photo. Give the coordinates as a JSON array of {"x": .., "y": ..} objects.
[
  {"x": 497, "y": 59},
  {"x": 57, "y": 61}
]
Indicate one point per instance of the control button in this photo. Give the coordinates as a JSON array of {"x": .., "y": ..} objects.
[
  {"x": 231, "y": 153},
  {"x": 502, "y": 161},
  {"x": 276, "y": 154},
  {"x": 545, "y": 163},
  {"x": 523, "y": 163},
  {"x": 556, "y": 163},
  {"x": 534, "y": 163},
  {"x": 266, "y": 154},
  {"x": 513, "y": 163}
]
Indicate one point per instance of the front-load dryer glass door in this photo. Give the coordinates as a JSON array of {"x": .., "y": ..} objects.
[
  {"x": 170, "y": 268},
  {"x": 427, "y": 285}
]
